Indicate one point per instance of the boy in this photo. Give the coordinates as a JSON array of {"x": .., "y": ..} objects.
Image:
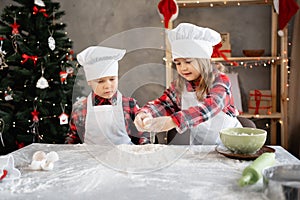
[{"x": 105, "y": 115}]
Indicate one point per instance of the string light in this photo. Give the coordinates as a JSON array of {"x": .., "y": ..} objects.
[
  {"x": 267, "y": 125},
  {"x": 249, "y": 64}
]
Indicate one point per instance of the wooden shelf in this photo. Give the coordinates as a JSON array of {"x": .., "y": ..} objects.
[
  {"x": 214, "y": 3},
  {"x": 270, "y": 116},
  {"x": 247, "y": 59}
]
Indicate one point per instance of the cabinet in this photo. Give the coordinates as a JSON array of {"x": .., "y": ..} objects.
[{"x": 278, "y": 72}]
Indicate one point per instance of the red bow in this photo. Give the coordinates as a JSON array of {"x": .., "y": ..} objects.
[
  {"x": 36, "y": 10},
  {"x": 217, "y": 52},
  {"x": 35, "y": 115},
  {"x": 26, "y": 57},
  {"x": 2, "y": 38},
  {"x": 167, "y": 8}
]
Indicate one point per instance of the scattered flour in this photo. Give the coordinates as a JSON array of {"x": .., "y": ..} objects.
[{"x": 141, "y": 149}]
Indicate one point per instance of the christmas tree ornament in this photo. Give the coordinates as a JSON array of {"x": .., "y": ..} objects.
[
  {"x": 285, "y": 9},
  {"x": 36, "y": 10},
  {"x": 42, "y": 83},
  {"x": 34, "y": 126},
  {"x": 2, "y": 125},
  {"x": 63, "y": 77},
  {"x": 8, "y": 94},
  {"x": 15, "y": 26},
  {"x": 2, "y": 59},
  {"x": 27, "y": 57},
  {"x": 70, "y": 71},
  {"x": 168, "y": 11},
  {"x": 69, "y": 55},
  {"x": 51, "y": 42},
  {"x": 63, "y": 117},
  {"x": 35, "y": 115},
  {"x": 8, "y": 97},
  {"x": 39, "y": 3}
]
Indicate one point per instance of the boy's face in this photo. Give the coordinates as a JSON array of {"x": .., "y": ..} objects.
[{"x": 105, "y": 87}]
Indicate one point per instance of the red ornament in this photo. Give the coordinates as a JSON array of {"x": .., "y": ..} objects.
[
  {"x": 15, "y": 27},
  {"x": 70, "y": 56},
  {"x": 168, "y": 10},
  {"x": 63, "y": 76},
  {"x": 35, "y": 115},
  {"x": 26, "y": 57},
  {"x": 36, "y": 10}
]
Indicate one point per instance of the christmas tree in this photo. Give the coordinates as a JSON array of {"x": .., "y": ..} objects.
[{"x": 37, "y": 74}]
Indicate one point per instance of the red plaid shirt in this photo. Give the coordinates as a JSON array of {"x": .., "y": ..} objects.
[
  {"x": 219, "y": 98},
  {"x": 78, "y": 116}
]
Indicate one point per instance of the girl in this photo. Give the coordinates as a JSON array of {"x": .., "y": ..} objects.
[{"x": 200, "y": 100}]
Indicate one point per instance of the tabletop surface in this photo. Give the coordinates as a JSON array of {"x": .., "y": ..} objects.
[{"x": 180, "y": 172}]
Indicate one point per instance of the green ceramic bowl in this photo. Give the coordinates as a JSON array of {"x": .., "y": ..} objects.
[{"x": 243, "y": 140}]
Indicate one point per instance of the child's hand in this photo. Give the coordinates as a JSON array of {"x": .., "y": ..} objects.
[
  {"x": 160, "y": 124},
  {"x": 142, "y": 120}
]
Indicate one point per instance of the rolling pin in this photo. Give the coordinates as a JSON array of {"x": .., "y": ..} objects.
[{"x": 252, "y": 173}]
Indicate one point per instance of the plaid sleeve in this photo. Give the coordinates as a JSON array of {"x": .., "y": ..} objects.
[
  {"x": 130, "y": 108},
  {"x": 77, "y": 122},
  {"x": 218, "y": 99}
]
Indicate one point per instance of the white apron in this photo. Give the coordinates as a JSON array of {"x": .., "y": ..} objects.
[
  {"x": 207, "y": 132},
  {"x": 105, "y": 125}
]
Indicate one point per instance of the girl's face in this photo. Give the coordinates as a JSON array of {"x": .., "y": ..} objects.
[
  {"x": 187, "y": 68},
  {"x": 105, "y": 87}
]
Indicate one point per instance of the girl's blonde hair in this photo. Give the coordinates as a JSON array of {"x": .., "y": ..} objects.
[{"x": 207, "y": 71}]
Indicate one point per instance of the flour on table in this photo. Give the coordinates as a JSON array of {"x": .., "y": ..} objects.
[{"x": 141, "y": 149}]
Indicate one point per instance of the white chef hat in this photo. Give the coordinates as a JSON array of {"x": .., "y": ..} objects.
[
  {"x": 191, "y": 41},
  {"x": 98, "y": 61}
]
